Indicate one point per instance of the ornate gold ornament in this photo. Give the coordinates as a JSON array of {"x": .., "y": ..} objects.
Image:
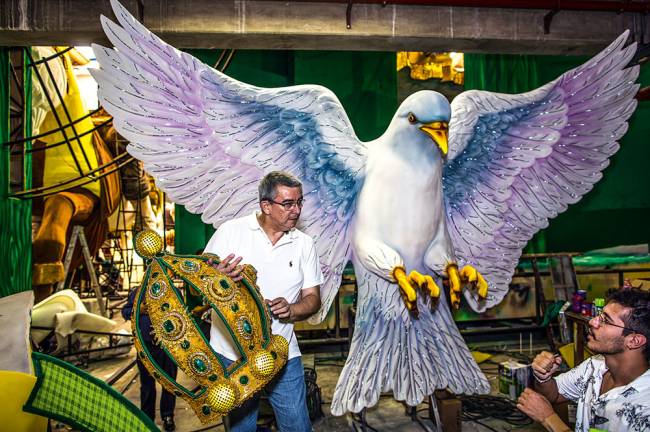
[
  {"x": 445, "y": 66},
  {"x": 238, "y": 304}
]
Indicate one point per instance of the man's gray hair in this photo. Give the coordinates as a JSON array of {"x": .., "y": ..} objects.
[{"x": 269, "y": 184}]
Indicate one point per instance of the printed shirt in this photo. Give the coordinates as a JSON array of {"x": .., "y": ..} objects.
[
  {"x": 624, "y": 408},
  {"x": 283, "y": 270}
]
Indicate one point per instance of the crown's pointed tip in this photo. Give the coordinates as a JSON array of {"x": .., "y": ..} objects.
[{"x": 148, "y": 243}]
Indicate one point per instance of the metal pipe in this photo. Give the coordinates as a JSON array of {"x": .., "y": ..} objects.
[
  {"x": 323, "y": 341},
  {"x": 41, "y": 191},
  {"x": 588, "y": 5},
  {"x": 88, "y": 351},
  {"x": 499, "y": 330},
  {"x": 120, "y": 373},
  {"x": 34, "y": 137},
  {"x": 51, "y": 103}
]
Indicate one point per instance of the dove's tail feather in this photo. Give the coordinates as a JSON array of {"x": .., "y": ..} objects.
[{"x": 410, "y": 357}]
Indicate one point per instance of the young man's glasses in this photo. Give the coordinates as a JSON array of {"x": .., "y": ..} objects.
[
  {"x": 288, "y": 205},
  {"x": 602, "y": 319}
]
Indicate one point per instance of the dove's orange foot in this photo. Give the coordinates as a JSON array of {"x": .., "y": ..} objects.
[
  {"x": 408, "y": 284},
  {"x": 458, "y": 279}
]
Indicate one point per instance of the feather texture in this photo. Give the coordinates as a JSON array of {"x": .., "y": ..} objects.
[
  {"x": 208, "y": 139},
  {"x": 516, "y": 161},
  {"x": 392, "y": 351}
]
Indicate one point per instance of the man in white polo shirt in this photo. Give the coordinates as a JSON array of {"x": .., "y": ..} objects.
[{"x": 289, "y": 277}]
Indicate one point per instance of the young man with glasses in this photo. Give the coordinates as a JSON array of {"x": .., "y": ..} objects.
[
  {"x": 289, "y": 277},
  {"x": 612, "y": 388}
]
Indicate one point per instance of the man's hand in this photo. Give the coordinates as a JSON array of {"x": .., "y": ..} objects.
[
  {"x": 534, "y": 405},
  {"x": 545, "y": 365},
  {"x": 281, "y": 308},
  {"x": 229, "y": 266},
  {"x": 307, "y": 304}
]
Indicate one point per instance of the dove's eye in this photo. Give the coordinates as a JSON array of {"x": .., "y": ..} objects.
[{"x": 412, "y": 118}]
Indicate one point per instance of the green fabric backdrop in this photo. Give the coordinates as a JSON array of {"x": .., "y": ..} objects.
[
  {"x": 15, "y": 214},
  {"x": 365, "y": 82},
  {"x": 615, "y": 212}
]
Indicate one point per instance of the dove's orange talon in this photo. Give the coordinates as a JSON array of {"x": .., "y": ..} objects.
[
  {"x": 407, "y": 291},
  {"x": 425, "y": 283},
  {"x": 455, "y": 284},
  {"x": 470, "y": 275}
]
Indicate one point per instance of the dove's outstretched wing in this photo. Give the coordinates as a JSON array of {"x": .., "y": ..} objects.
[
  {"x": 208, "y": 139},
  {"x": 516, "y": 161}
]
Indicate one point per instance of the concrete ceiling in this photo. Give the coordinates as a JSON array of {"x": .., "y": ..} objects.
[{"x": 322, "y": 25}]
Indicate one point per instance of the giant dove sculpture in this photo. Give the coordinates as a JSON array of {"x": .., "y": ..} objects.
[{"x": 451, "y": 191}]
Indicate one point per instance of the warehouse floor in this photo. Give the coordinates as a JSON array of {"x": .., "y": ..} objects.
[{"x": 387, "y": 415}]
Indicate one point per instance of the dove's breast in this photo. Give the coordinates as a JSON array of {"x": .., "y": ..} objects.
[{"x": 401, "y": 204}]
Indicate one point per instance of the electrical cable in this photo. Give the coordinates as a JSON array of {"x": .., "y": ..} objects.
[{"x": 477, "y": 408}]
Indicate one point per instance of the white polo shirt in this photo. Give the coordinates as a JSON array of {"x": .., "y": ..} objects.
[{"x": 283, "y": 270}]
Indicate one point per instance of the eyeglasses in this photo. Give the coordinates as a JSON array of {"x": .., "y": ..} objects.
[
  {"x": 603, "y": 320},
  {"x": 288, "y": 205}
]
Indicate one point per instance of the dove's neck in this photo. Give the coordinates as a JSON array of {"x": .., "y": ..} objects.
[{"x": 416, "y": 149}]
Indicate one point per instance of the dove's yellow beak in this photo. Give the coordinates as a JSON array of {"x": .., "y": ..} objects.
[{"x": 438, "y": 133}]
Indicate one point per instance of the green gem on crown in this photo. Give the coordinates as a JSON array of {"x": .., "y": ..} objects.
[
  {"x": 171, "y": 326},
  {"x": 189, "y": 266},
  {"x": 168, "y": 326},
  {"x": 224, "y": 284},
  {"x": 245, "y": 327},
  {"x": 157, "y": 289},
  {"x": 199, "y": 365}
]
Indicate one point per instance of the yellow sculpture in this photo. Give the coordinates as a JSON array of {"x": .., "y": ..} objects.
[
  {"x": 424, "y": 66},
  {"x": 238, "y": 304}
]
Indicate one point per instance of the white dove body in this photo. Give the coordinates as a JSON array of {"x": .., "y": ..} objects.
[
  {"x": 400, "y": 221},
  {"x": 404, "y": 171}
]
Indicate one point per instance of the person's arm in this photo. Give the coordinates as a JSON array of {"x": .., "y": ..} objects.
[
  {"x": 308, "y": 304},
  {"x": 538, "y": 408},
  {"x": 127, "y": 309},
  {"x": 544, "y": 366},
  {"x": 308, "y": 301}
]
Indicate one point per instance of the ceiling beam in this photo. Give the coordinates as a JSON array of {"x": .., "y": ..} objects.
[{"x": 264, "y": 24}]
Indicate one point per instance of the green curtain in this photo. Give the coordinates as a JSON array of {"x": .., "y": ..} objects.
[
  {"x": 15, "y": 215},
  {"x": 615, "y": 211},
  {"x": 366, "y": 84},
  {"x": 501, "y": 73}
]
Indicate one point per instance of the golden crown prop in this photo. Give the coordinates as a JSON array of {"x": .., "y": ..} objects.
[{"x": 238, "y": 304}]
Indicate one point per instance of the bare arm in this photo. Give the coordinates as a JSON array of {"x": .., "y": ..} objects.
[
  {"x": 544, "y": 366},
  {"x": 307, "y": 305},
  {"x": 538, "y": 408}
]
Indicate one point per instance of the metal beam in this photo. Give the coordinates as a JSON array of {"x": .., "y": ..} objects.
[{"x": 322, "y": 25}]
